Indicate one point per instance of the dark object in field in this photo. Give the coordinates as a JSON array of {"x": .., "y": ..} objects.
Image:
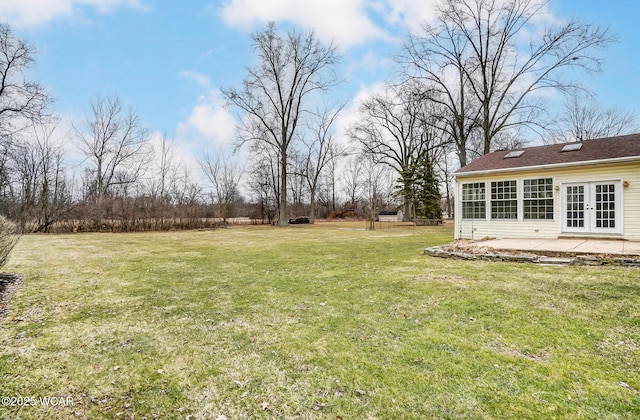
[{"x": 299, "y": 220}]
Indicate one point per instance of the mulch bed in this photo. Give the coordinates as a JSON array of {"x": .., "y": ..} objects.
[{"x": 9, "y": 283}]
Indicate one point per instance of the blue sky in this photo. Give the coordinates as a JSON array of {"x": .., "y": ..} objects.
[{"x": 168, "y": 58}]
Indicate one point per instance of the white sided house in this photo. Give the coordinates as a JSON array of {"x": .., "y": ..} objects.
[{"x": 588, "y": 189}]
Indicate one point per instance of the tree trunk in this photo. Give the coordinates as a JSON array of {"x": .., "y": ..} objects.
[
  {"x": 448, "y": 188},
  {"x": 407, "y": 186},
  {"x": 282, "y": 204},
  {"x": 312, "y": 207},
  {"x": 407, "y": 210}
]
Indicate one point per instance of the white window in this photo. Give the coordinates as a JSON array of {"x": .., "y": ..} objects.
[
  {"x": 538, "y": 199},
  {"x": 473, "y": 201},
  {"x": 504, "y": 200}
]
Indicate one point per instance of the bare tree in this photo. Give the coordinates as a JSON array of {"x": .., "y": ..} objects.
[
  {"x": 263, "y": 185},
  {"x": 585, "y": 119},
  {"x": 297, "y": 191},
  {"x": 329, "y": 184},
  {"x": 224, "y": 176},
  {"x": 39, "y": 192},
  {"x": 5, "y": 173},
  {"x": 396, "y": 129},
  {"x": 445, "y": 169},
  {"x": 352, "y": 180},
  {"x": 8, "y": 238},
  {"x": 166, "y": 170},
  {"x": 473, "y": 57},
  {"x": 320, "y": 150},
  {"x": 115, "y": 144},
  {"x": 291, "y": 72},
  {"x": 25, "y": 166},
  {"x": 20, "y": 99},
  {"x": 377, "y": 186},
  {"x": 186, "y": 191},
  {"x": 54, "y": 195}
]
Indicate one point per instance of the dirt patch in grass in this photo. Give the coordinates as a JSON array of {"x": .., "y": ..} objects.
[
  {"x": 542, "y": 355},
  {"x": 9, "y": 283}
]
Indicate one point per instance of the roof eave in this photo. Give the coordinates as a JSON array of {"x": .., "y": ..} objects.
[{"x": 626, "y": 159}]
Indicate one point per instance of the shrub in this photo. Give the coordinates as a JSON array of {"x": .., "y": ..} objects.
[{"x": 8, "y": 238}]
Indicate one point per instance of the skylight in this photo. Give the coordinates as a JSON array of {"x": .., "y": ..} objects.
[
  {"x": 572, "y": 147},
  {"x": 514, "y": 154}
]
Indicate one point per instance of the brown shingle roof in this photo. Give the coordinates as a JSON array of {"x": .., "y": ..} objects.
[{"x": 591, "y": 150}]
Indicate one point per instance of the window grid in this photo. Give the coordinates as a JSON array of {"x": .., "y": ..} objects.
[
  {"x": 504, "y": 200},
  {"x": 473, "y": 201},
  {"x": 605, "y": 206},
  {"x": 575, "y": 206},
  {"x": 538, "y": 199}
]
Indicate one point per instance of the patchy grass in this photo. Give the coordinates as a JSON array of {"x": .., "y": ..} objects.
[{"x": 326, "y": 321}]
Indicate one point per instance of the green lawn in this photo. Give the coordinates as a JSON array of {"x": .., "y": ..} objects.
[{"x": 326, "y": 321}]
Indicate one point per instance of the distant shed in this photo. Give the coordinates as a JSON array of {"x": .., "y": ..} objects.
[{"x": 390, "y": 216}]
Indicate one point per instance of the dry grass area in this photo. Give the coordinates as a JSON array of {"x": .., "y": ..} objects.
[
  {"x": 9, "y": 283},
  {"x": 323, "y": 321}
]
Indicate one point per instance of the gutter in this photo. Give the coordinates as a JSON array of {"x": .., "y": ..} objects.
[{"x": 627, "y": 159}]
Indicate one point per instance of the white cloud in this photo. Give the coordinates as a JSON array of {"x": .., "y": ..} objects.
[
  {"x": 348, "y": 23},
  {"x": 209, "y": 121},
  {"x": 345, "y": 22},
  {"x": 371, "y": 62},
  {"x": 181, "y": 154},
  {"x": 201, "y": 79},
  {"x": 351, "y": 113},
  {"x": 411, "y": 14},
  {"x": 38, "y": 12}
]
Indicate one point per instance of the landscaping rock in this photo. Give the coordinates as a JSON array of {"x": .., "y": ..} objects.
[{"x": 469, "y": 250}]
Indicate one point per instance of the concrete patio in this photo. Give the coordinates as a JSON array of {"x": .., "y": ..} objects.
[{"x": 577, "y": 246}]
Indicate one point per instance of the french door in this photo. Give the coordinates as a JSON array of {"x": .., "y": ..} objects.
[{"x": 592, "y": 207}]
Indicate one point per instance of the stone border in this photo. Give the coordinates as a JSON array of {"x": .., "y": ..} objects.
[{"x": 472, "y": 252}]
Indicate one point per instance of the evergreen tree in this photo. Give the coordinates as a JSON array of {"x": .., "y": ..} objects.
[{"x": 426, "y": 191}]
